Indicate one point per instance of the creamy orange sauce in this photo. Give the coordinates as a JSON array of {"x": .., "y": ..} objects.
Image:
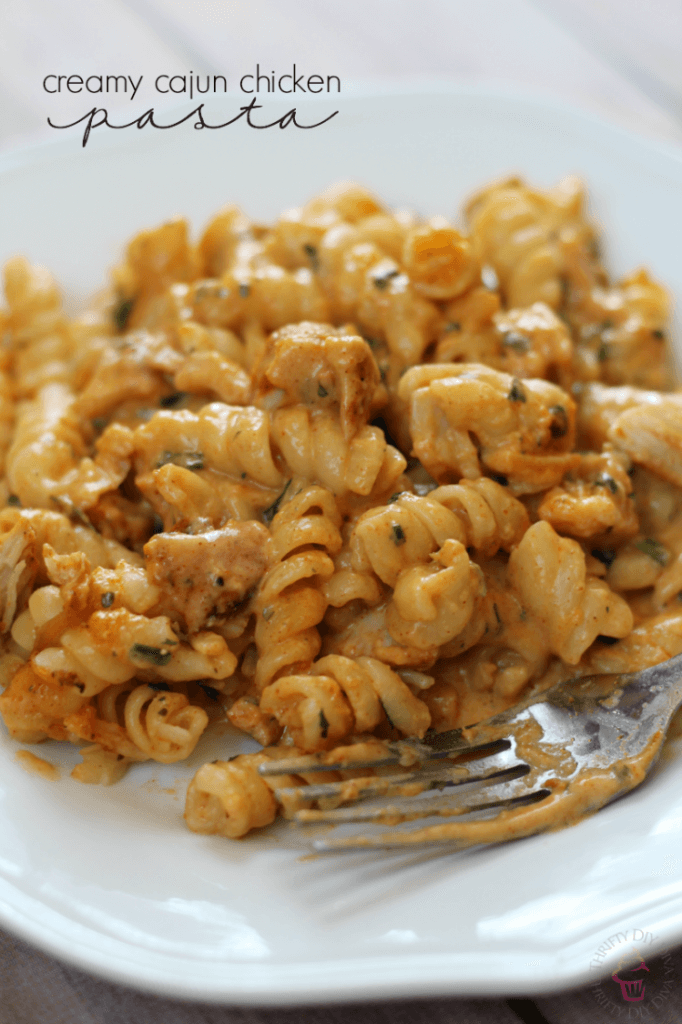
[
  {"x": 571, "y": 801},
  {"x": 37, "y": 765}
]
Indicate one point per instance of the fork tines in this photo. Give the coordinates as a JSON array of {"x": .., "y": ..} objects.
[
  {"x": 446, "y": 781},
  {"x": 401, "y": 752}
]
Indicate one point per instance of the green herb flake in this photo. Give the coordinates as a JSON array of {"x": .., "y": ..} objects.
[
  {"x": 658, "y": 334},
  {"x": 373, "y": 343},
  {"x": 210, "y": 691},
  {"x": 67, "y": 508},
  {"x": 244, "y": 291},
  {"x": 271, "y": 511},
  {"x": 121, "y": 314},
  {"x": 108, "y": 599},
  {"x": 559, "y": 425},
  {"x": 607, "y": 481},
  {"x": 170, "y": 401},
  {"x": 516, "y": 342},
  {"x": 604, "y": 555},
  {"x": 14, "y": 501},
  {"x": 516, "y": 394},
  {"x": 324, "y": 725},
  {"x": 654, "y": 549},
  {"x": 322, "y": 391},
  {"x": 268, "y": 612},
  {"x": 156, "y": 655},
  {"x": 454, "y": 325},
  {"x": 99, "y": 423},
  {"x": 602, "y": 354},
  {"x": 394, "y": 497},
  {"x": 381, "y": 281},
  {"x": 311, "y": 253},
  {"x": 398, "y": 535}
]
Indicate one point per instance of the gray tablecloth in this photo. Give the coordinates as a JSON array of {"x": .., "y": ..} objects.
[{"x": 35, "y": 989}]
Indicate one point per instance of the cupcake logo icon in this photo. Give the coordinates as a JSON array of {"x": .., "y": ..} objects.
[
  {"x": 628, "y": 987},
  {"x": 629, "y": 976}
]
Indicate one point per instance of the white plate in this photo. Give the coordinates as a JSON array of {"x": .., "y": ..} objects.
[{"x": 109, "y": 879}]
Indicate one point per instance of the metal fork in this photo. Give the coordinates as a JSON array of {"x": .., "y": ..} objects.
[{"x": 548, "y": 762}]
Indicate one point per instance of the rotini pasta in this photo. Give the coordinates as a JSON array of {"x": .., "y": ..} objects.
[
  {"x": 336, "y": 481},
  {"x": 289, "y": 604}
]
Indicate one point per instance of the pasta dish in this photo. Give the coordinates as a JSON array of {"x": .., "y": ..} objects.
[{"x": 346, "y": 478}]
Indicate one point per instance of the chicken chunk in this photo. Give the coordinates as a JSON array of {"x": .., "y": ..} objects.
[{"x": 204, "y": 575}]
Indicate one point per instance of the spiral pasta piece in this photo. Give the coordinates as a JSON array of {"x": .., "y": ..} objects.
[
  {"x": 492, "y": 518},
  {"x": 253, "y": 290},
  {"x": 527, "y": 342},
  {"x": 7, "y": 409},
  {"x": 154, "y": 261},
  {"x": 368, "y": 287},
  {"x": 131, "y": 372},
  {"x": 477, "y": 513},
  {"x": 651, "y": 434},
  {"x": 595, "y": 504},
  {"x": 620, "y": 329},
  {"x": 28, "y": 538},
  {"x": 47, "y": 443},
  {"x": 118, "y": 644},
  {"x": 165, "y": 726},
  {"x": 518, "y": 232},
  {"x": 290, "y": 602},
  {"x": 524, "y": 429},
  {"x": 440, "y": 261},
  {"x": 340, "y": 696},
  {"x": 228, "y": 439},
  {"x": 199, "y": 470},
  {"x": 42, "y": 345},
  {"x": 320, "y": 386},
  {"x": 229, "y": 798},
  {"x": 34, "y": 707},
  {"x": 550, "y": 573},
  {"x": 433, "y": 603}
]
